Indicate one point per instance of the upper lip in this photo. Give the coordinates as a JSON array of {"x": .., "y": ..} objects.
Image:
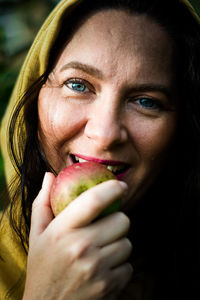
[{"x": 101, "y": 161}]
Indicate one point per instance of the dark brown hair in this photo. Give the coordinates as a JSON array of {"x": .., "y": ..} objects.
[{"x": 171, "y": 208}]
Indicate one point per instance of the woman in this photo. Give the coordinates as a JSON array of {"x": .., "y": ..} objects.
[{"x": 115, "y": 82}]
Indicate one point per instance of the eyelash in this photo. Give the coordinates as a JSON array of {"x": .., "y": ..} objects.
[
  {"x": 153, "y": 104},
  {"x": 87, "y": 88},
  {"x": 77, "y": 81}
]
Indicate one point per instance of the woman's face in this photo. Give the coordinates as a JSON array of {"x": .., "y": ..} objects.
[{"x": 111, "y": 99}]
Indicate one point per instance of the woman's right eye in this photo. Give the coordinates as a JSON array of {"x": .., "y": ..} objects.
[{"x": 78, "y": 85}]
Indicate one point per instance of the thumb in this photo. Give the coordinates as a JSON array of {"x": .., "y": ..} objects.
[{"x": 42, "y": 213}]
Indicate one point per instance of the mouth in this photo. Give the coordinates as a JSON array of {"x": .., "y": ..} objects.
[{"x": 119, "y": 169}]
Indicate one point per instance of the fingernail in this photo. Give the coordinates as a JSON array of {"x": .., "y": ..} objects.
[{"x": 123, "y": 185}]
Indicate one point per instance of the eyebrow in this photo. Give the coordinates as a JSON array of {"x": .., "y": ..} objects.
[
  {"x": 143, "y": 87},
  {"x": 152, "y": 87},
  {"x": 83, "y": 67}
]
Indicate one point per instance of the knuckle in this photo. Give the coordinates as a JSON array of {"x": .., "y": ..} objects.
[
  {"x": 77, "y": 249},
  {"x": 89, "y": 268},
  {"x": 103, "y": 287}
]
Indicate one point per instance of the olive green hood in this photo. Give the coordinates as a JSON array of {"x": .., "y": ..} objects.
[{"x": 36, "y": 62}]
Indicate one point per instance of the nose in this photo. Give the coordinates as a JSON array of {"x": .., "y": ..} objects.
[{"x": 105, "y": 125}]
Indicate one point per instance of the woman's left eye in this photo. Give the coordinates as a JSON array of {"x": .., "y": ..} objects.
[
  {"x": 149, "y": 103},
  {"x": 77, "y": 85}
]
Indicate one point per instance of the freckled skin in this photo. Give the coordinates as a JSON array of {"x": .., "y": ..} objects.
[
  {"x": 72, "y": 256},
  {"x": 128, "y": 50},
  {"x": 76, "y": 179}
]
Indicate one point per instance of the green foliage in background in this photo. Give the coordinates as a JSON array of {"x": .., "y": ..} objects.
[
  {"x": 196, "y": 4},
  {"x": 19, "y": 22}
]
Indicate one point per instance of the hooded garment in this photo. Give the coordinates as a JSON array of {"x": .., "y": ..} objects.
[{"x": 12, "y": 256}]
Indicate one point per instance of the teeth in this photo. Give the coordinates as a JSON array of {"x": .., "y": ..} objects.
[
  {"x": 79, "y": 159},
  {"x": 114, "y": 168},
  {"x": 82, "y": 160},
  {"x": 110, "y": 168}
]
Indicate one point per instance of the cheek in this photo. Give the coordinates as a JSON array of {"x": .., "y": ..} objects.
[
  {"x": 152, "y": 140},
  {"x": 58, "y": 120},
  {"x": 154, "y": 137}
]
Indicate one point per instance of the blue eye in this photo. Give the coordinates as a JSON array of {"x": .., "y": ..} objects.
[
  {"x": 77, "y": 86},
  {"x": 148, "y": 103}
]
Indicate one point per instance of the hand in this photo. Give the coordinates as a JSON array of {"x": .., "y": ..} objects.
[{"x": 72, "y": 256}]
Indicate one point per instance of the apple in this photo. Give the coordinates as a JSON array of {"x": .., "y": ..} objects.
[{"x": 76, "y": 179}]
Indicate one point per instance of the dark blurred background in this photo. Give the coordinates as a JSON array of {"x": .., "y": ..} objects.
[{"x": 19, "y": 22}]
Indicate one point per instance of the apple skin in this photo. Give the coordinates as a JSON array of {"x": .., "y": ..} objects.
[{"x": 76, "y": 179}]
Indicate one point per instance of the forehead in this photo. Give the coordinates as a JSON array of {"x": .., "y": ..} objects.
[
  {"x": 112, "y": 38},
  {"x": 122, "y": 25}
]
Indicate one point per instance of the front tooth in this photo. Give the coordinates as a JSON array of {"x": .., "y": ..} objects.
[
  {"x": 110, "y": 168},
  {"x": 114, "y": 168},
  {"x": 82, "y": 160}
]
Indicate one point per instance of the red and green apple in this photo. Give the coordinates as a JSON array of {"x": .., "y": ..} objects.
[{"x": 76, "y": 179}]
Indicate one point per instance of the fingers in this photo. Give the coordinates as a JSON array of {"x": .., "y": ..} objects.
[
  {"x": 116, "y": 254},
  {"x": 84, "y": 209},
  {"x": 114, "y": 282},
  {"x": 41, "y": 209},
  {"x": 109, "y": 229},
  {"x": 122, "y": 275}
]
